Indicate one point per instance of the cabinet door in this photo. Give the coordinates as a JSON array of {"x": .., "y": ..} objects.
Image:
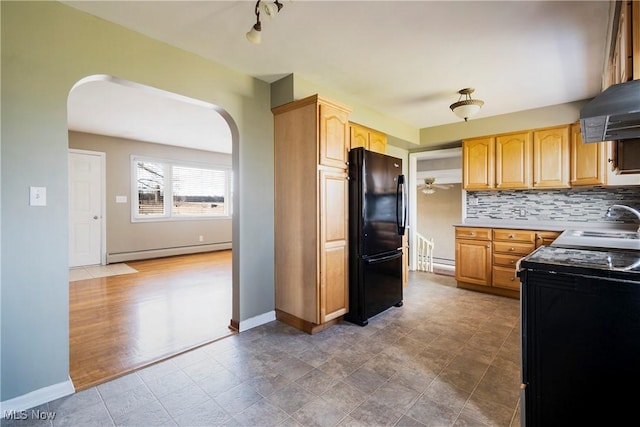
[
  {"x": 334, "y": 136},
  {"x": 473, "y": 261},
  {"x": 551, "y": 158},
  {"x": 513, "y": 161},
  {"x": 614, "y": 175},
  {"x": 627, "y": 156},
  {"x": 334, "y": 270},
  {"x": 377, "y": 142},
  {"x": 359, "y": 136},
  {"x": 587, "y": 160},
  {"x": 478, "y": 163}
]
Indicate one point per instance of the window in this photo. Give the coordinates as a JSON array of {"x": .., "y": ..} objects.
[{"x": 166, "y": 190}]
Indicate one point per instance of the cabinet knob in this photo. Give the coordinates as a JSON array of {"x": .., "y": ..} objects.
[
  {"x": 511, "y": 236},
  {"x": 512, "y": 249},
  {"x": 488, "y": 246},
  {"x": 511, "y": 262},
  {"x": 471, "y": 233},
  {"x": 512, "y": 279}
]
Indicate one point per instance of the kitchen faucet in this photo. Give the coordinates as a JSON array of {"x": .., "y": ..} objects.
[{"x": 635, "y": 212}]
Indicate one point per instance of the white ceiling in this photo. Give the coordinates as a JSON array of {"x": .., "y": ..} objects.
[
  {"x": 108, "y": 106},
  {"x": 405, "y": 59}
]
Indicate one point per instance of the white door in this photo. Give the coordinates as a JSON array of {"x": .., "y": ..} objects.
[{"x": 85, "y": 208}]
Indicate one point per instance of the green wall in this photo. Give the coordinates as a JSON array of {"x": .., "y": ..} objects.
[
  {"x": 46, "y": 48},
  {"x": 553, "y": 115}
]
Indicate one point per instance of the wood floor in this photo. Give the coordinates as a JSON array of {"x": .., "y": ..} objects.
[{"x": 121, "y": 323}]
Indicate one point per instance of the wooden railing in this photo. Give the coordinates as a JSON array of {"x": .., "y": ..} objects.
[{"x": 424, "y": 253}]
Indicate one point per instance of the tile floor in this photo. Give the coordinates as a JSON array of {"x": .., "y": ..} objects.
[
  {"x": 96, "y": 271},
  {"x": 448, "y": 357}
]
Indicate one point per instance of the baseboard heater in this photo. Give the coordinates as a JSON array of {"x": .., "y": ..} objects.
[{"x": 164, "y": 252}]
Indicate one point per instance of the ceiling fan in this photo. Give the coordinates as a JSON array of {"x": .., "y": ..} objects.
[{"x": 429, "y": 186}]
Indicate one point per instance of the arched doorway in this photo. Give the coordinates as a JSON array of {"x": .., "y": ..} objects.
[{"x": 159, "y": 149}]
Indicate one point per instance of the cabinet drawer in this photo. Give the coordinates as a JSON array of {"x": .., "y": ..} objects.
[
  {"x": 505, "y": 277},
  {"x": 514, "y": 235},
  {"x": 506, "y": 260},
  {"x": 545, "y": 238},
  {"x": 473, "y": 233},
  {"x": 514, "y": 248}
]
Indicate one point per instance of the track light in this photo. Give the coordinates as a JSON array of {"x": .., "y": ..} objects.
[
  {"x": 466, "y": 107},
  {"x": 271, "y": 10}
]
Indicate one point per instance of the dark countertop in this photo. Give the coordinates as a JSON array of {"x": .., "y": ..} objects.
[{"x": 623, "y": 265}]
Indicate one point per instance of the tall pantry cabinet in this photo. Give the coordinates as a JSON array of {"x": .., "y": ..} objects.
[{"x": 311, "y": 212}]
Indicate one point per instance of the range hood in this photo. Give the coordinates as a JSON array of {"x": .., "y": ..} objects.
[{"x": 612, "y": 115}]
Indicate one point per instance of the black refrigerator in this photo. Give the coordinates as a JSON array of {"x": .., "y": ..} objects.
[{"x": 377, "y": 220}]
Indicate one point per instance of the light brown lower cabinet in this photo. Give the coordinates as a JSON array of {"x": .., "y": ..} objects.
[
  {"x": 486, "y": 258},
  {"x": 508, "y": 247},
  {"x": 473, "y": 256}
]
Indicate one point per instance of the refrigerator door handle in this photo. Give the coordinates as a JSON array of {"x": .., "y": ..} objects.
[
  {"x": 376, "y": 260},
  {"x": 401, "y": 206}
]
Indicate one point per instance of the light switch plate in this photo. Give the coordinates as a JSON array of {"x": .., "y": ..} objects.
[
  {"x": 121, "y": 199},
  {"x": 38, "y": 196}
]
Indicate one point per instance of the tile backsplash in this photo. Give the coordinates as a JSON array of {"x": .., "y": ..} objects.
[{"x": 579, "y": 205}]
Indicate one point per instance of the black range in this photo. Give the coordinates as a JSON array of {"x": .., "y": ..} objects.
[
  {"x": 622, "y": 265},
  {"x": 580, "y": 336}
]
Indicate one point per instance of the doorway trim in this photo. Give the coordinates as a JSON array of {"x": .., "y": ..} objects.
[
  {"x": 103, "y": 200},
  {"x": 413, "y": 200}
]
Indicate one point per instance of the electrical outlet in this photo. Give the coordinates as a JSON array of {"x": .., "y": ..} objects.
[
  {"x": 201, "y": 238},
  {"x": 523, "y": 212},
  {"x": 473, "y": 201}
]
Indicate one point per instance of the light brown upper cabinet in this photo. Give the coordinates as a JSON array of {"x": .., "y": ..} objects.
[
  {"x": 588, "y": 161},
  {"x": 513, "y": 161},
  {"x": 623, "y": 63},
  {"x": 551, "y": 157},
  {"x": 362, "y": 136},
  {"x": 536, "y": 158},
  {"x": 311, "y": 137},
  {"x": 334, "y": 131},
  {"x": 478, "y": 163}
]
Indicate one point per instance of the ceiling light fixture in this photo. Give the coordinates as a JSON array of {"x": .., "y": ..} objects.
[
  {"x": 271, "y": 10},
  {"x": 466, "y": 107}
]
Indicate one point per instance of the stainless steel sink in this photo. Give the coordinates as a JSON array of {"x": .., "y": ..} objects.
[
  {"x": 599, "y": 239},
  {"x": 606, "y": 234}
]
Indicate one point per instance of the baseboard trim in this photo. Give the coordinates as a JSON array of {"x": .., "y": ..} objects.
[
  {"x": 164, "y": 252},
  {"x": 490, "y": 290},
  {"x": 304, "y": 325},
  {"x": 252, "y": 322},
  {"x": 37, "y": 397}
]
